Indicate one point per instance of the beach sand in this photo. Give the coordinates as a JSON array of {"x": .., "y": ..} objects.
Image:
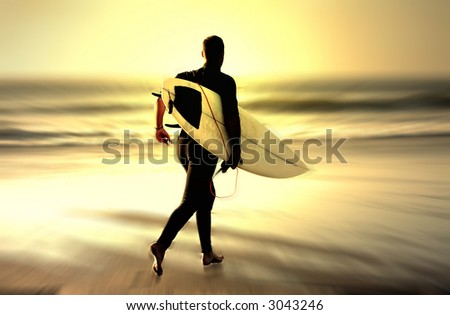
[{"x": 378, "y": 224}]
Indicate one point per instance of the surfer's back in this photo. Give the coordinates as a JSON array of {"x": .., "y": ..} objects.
[
  {"x": 213, "y": 79},
  {"x": 222, "y": 84}
]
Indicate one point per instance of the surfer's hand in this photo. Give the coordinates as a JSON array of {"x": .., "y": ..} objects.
[
  {"x": 162, "y": 136},
  {"x": 234, "y": 160}
]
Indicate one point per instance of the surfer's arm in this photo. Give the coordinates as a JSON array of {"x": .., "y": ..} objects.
[
  {"x": 161, "y": 134},
  {"x": 232, "y": 124}
]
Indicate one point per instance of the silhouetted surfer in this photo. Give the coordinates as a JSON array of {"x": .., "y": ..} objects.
[{"x": 199, "y": 163}]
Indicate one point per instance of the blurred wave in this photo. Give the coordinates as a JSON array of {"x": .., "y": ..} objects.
[
  {"x": 19, "y": 134},
  {"x": 74, "y": 109},
  {"x": 414, "y": 102},
  {"x": 50, "y": 112}
]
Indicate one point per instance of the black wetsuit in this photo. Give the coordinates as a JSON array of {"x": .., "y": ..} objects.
[{"x": 199, "y": 163}]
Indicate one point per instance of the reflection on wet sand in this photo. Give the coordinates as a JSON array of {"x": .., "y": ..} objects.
[{"x": 375, "y": 225}]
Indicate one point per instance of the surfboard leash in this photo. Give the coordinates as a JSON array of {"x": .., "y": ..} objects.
[{"x": 235, "y": 184}]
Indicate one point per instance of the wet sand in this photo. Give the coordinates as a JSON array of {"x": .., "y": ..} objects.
[{"x": 377, "y": 225}]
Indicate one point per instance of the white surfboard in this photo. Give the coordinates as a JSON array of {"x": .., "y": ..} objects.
[{"x": 198, "y": 110}]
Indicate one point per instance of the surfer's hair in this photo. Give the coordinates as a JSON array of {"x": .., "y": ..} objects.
[{"x": 213, "y": 47}]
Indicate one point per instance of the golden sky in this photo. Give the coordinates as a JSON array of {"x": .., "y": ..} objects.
[{"x": 281, "y": 38}]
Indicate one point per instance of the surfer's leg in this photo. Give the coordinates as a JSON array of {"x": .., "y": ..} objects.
[
  {"x": 180, "y": 215},
  {"x": 204, "y": 230},
  {"x": 204, "y": 194},
  {"x": 203, "y": 218},
  {"x": 193, "y": 191}
]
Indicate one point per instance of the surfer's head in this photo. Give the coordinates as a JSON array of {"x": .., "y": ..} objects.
[{"x": 213, "y": 50}]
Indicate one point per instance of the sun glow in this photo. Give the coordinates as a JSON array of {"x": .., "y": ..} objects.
[{"x": 275, "y": 38}]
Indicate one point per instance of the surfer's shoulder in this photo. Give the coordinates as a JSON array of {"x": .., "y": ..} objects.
[
  {"x": 192, "y": 75},
  {"x": 228, "y": 80},
  {"x": 187, "y": 75}
]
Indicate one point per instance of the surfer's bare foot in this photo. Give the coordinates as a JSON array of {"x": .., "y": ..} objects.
[
  {"x": 158, "y": 252},
  {"x": 211, "y": 258}
]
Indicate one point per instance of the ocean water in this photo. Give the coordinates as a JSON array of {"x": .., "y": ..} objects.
[
  {"x": 377, "y": 223},
  {"x": 80, "y": 113}
]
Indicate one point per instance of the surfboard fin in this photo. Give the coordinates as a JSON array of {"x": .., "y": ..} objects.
[{"x": 173, "y": 125}]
